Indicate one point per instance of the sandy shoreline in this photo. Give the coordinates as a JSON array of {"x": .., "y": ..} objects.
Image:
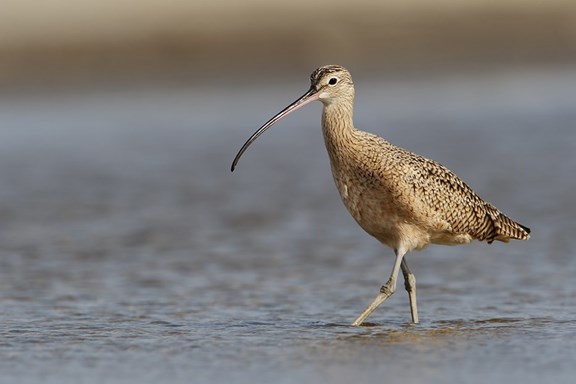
[{"x": 206, "y": 40}]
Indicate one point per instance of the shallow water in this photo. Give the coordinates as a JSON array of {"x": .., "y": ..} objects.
[{"x": 130, "y": 253}]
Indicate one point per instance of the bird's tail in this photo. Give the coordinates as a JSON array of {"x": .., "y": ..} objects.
[{"x": 506, "y": 228}]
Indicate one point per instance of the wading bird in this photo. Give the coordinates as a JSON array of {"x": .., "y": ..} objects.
[{"x": 402, "y": 199}]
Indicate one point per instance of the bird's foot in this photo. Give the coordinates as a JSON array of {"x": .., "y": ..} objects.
[{"x": 386, "y": 291}]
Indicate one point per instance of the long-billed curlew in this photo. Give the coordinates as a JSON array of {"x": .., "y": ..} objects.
[{"x": 402, "y": 199}]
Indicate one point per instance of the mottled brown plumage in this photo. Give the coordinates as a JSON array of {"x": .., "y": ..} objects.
[{"x": 402, "y": 199}]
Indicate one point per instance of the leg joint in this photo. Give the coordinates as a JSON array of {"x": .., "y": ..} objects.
[
  {"x": 410, "y": 282},
  {"x": 388, "y": 288}
]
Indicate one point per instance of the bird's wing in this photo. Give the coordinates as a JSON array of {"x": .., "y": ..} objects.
[{"x": 451, "y": 199}]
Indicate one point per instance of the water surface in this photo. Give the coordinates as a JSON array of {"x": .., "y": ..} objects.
[{"x": 130, "y": 254}]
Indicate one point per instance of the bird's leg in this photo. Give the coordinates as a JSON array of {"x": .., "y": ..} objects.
[
  {"x": 410, "y": 284},
  {"x": 385, "y": 292}
]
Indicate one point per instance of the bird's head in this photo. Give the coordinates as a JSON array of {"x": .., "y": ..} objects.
[{"x": 331, "y": 84}]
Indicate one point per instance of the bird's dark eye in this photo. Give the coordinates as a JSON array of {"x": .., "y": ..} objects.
[{"x": 332, "y": 81}]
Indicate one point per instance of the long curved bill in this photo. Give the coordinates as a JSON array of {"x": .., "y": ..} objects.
[{"x": 306, "y": 98}]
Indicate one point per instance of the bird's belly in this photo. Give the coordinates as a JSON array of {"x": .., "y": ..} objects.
[
  {"x": 372, "y": 212},
  {"x": 379, "y": 214},
  {"x": 392, "y": 221}
]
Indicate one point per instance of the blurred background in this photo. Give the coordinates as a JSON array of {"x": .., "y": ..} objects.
[
  {"x": 130, "y": 253},
  {"x": 205, "y": 40}
]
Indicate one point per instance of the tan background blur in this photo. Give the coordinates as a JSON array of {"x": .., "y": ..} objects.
[{"x": 100, "y": 39}]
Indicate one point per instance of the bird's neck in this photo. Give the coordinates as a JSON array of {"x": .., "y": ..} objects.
[{"x": 337, "y": 125}]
